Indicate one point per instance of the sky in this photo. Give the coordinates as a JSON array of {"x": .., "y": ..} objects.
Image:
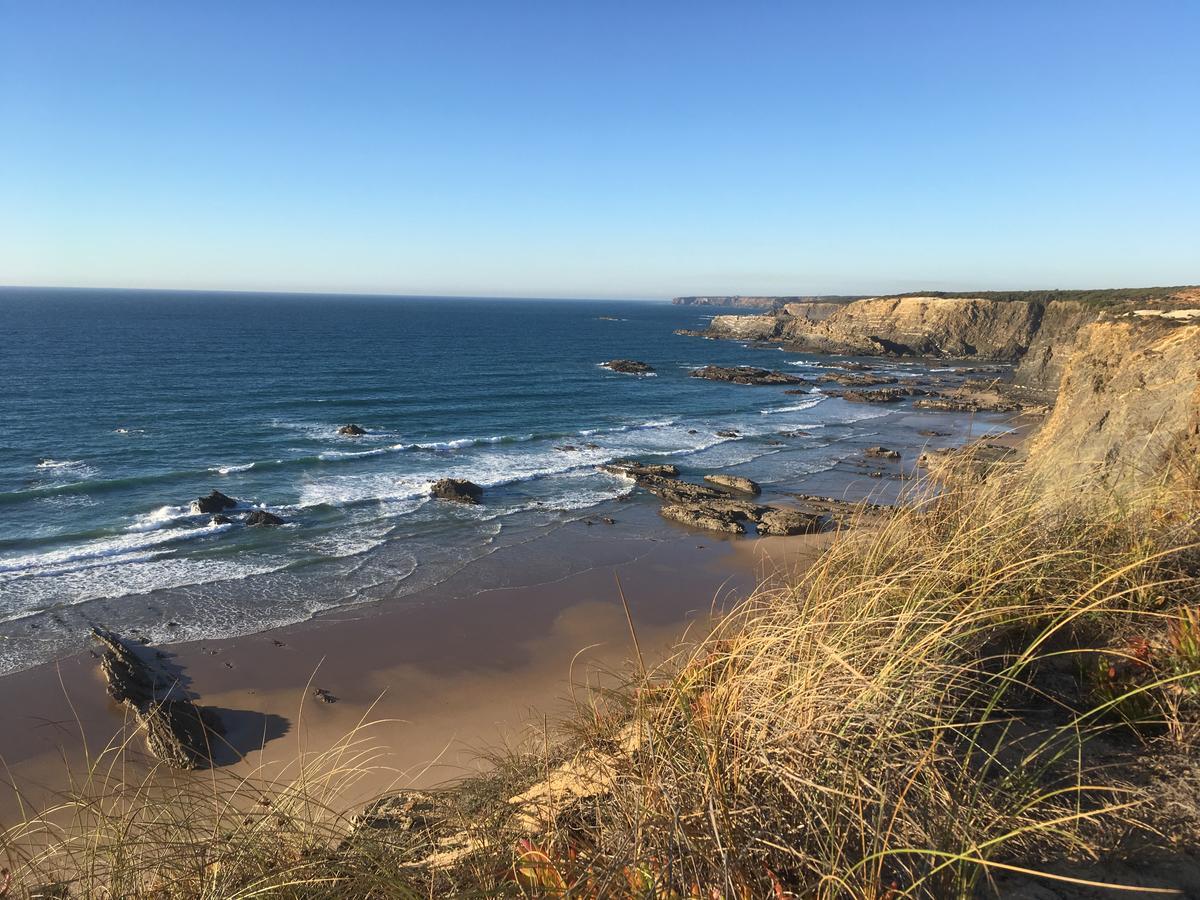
[{"x": 600, "y": 149}]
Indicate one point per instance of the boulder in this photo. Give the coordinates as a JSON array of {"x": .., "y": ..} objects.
[
  {"x": 214, "y": 503},
  {"x": 628, "y": 366},
  {"x": 736, "y": 482},
  {"x": 881, "y": 453},
  {"x": 178, "y": 731},
  {"x": 352, "y": 431},
  {"x": 220, "y": 520},
  {"x": 457, "y": 490},
  {"x": 745, "y": 375},
  {"x": 727, "y": 434},
  {"x": 779, "y": 521},
  {"x": 261, "y": 517}
]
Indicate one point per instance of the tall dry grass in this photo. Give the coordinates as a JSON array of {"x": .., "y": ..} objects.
[{"x": 914, "y": 715}]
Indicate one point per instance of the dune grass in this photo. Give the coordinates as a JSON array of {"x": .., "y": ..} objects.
[{"x": 918, "y": 714}]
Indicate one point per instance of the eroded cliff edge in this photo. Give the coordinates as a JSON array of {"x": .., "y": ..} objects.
[
  {"x": 1128, "y": 405},
  {"x": 1037, "y": 331}
]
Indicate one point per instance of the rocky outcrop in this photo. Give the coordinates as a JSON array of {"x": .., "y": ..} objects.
[
  {"x": 701, "y": 517},
  {"x": 1128, "y": 406},
  {"x": 260, "y": 518},
  {"x": 881, "y": 453},
  {"x": 178, "y": 732},
  {"x": 857, "y": 379},
  {"x": 628, "y": 367},
  {"x": 780, "y": 521},
  {"x": 216, "y": 502},
  {"x": 632, "y": 468},
  {"x": 457, "y": 490},
  {"x": 735, "y": 482},
  {"x": 352, "y": 431},
  {"x": 745, "y": 375}
]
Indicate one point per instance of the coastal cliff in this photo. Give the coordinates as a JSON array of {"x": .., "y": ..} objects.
[
  {"x": 1128, "y": 407},
  {"x": 906, "y": 326}
]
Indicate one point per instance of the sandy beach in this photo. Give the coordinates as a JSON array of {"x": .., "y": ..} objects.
[{"x": 472, "y": 663}]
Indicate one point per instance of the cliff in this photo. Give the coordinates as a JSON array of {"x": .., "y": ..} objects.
[
  {"x": 906, "y": 326},
  {"x": 1036, "y": 327},
  {"x": 1128, "y": 406},
  {"x": 1041, "y": 367}
]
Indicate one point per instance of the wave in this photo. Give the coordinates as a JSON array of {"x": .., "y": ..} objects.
[
  {"x": 795, "y": 407},
  {"x": 106, "y": 551},
  {"x": 60, "y": 463},
  {"x": 229, "y": 470}
]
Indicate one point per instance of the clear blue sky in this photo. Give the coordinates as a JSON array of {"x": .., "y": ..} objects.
[{"x": 638, "y": 149}]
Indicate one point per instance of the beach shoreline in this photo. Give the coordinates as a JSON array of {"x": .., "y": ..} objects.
[{"x": 431, "y": 678}]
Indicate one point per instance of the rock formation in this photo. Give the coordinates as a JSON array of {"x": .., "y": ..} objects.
[
  {"x": 1128, "y": 404},
  {"x": 745, "y": 375},
  {"x": 352, "y": 431},
  {"x": 736, "y": 482},
  {"x": 457, "y": 490},
  {"x": 628, "y": 366},
  {"x": 216, "y": 502},
  {"x": 261, "y": 517},
  {"x": 178, "y": 731}
]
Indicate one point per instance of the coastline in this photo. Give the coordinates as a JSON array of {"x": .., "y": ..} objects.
[
  {"x": 453, "y": 669},
  {"x": 448, "y": 670}
]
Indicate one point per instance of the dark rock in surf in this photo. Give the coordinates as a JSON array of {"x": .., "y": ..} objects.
[
  {"x": 214, "y": 503},
  {"x": 881, "y": 453},
  {"x": 261, "y": 517},
  {"x": 352, "y": 431},
  {"x": 220, "y": 520},
  {"x": 632, "y": 468},
  {"x": 628, "y": 366},
  {"x": 457, "y": 490},
  {"x": 745, "y": 375}
]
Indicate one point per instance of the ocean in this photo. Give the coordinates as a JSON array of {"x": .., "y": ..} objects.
[{"x": 117, "y": 408}]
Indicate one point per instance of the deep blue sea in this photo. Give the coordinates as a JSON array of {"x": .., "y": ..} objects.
[{"x": 119, "y": 407}]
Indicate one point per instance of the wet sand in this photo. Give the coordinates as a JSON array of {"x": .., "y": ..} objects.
[{"x": 481, "y": 660}]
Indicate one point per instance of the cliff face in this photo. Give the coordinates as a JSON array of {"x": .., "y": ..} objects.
[
  {"x": 1042, "y": 365},
  {"x": 747, "y": 328},
  {"x": 907, "y": 326},
  {"x": 1128, "y": 405}
]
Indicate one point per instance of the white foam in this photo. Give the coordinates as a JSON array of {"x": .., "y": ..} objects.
[
  {"x": 229, "y": 470},
  {"x": 103, "y": 551},
  {"x": 158, "y": 518},
  {"x": 795, "y": 407},
  {"x": 60, "y": 463}
]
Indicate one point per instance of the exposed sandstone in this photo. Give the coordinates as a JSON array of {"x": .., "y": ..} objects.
[{"x": 1128, "y": 406}]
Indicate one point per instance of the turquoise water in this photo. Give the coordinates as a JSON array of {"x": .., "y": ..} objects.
[{"x": 117, "y": 408}]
